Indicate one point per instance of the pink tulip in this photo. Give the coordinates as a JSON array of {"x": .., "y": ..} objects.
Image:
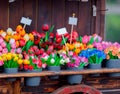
[
  {"x": 85, "y": 39},
  {"x": 12, "y": 51},
  {"x": 1, "y": 62},
  {"x": 13, "y": 46},
  {"x": 5, "y": 50},
  {"x": 12, "y": 41},
  {"x": 26, "y": 56},
  {"x": 1, "y": 40},
  {"x": 0, "y": 48},
  {"x": 3, "y": 44},
  {"x": 97, "y": 38},
  {"x": 44, "y": 65},
  {"x": 0, "y": 53},
  {"x": 19, "y": 50}
]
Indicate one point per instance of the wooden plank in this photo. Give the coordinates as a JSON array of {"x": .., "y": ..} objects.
[
  {"x": 102, "y": 19},
  {"x": 58, "y": 13},
  {"x": 63, "y": 72},
  {"x": 15, "y": 13},
  {"x": 30, "y": 10},
  {"x": 70, "y": 8},
  {"x": 4, "y": 14},
  {"x": 44, "y": 13},
  {"x": 93, "y": 18},
  {"x": 84, "y": 23}
]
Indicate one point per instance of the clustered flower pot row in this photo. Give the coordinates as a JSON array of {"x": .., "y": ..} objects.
[{"x": 35, "y": 50}]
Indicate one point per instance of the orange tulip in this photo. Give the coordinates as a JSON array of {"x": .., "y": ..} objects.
[
  {"x": 17, "y": 43},
  {"x": 16, "y": 36},
  {"x": 31, "y": 37},
  {"x": 22, "y": 32},
  {"x": 19, "y": 28},
  {"x": 7, "y": 38}
]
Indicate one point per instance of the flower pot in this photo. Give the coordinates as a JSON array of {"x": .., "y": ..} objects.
[
  {"x": 11, "y": 71},
  {"x": 32, "y": 81},
  {"x": 74, "y": 79},
  {"x": 94, "y": 66},
  {"x": 55, "y": 69},
  {"x": 113, "y": 63}
]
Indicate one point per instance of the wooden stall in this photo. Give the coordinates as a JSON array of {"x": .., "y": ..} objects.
[{"x": 56, "y": 12}]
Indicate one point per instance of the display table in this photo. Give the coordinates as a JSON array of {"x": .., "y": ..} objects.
[{"x": 15, "y": 87}]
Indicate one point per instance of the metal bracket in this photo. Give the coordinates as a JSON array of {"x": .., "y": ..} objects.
[{"x": 94, "y": 10}]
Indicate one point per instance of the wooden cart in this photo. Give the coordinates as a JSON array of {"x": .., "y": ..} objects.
[{"x": 17, "y": 87}]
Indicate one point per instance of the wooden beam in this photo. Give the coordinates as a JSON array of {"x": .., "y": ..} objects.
[{"x": 63, "y": 72}]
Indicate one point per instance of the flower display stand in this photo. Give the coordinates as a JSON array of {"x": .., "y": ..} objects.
[{"x": 101, "y": 82}]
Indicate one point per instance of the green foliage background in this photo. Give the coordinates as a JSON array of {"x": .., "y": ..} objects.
[{"x": 112, "y": 23}]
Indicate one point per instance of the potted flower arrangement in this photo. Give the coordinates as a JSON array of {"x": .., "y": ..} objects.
[
  {"x": 53, "y": 62},
  {"x": 113, "y": 57},
  {"x": 95, "y": 57},
  {"x": 11, "y": 63},
  {"x": 76, "y": 63},
  {"x": 33, "y": 64}
]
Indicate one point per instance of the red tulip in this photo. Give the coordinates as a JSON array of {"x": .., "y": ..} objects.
[
  {"x": 74, "y": 34},
  {"x": 58, "y": 40},
  {"x": 51, "y": 35},
  {"x": 45, "y": 27},
  {"x": 22, "y": 42}
]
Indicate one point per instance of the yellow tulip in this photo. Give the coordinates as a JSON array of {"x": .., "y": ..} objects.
[
  {"x": 1, "y": 58},
  {"x": 4, "y": 58},
  {"x": 26, "y": 61},
  {"x": 8, "y": 56},
  {"x": 20, "y": 61},
  {"x": 14, "y": 55},
  {"x": 20, "y": 56},
  {"x": 15, "y": 58}
]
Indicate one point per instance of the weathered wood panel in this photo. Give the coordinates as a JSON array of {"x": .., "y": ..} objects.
[
  {"x": 85, "y": 13},
  {"x": 4, "y": 14},
  {"x": 15, "y": 13},
  {"x": 44, "y": 13},
  {"x": 70, "y": 8},
  {"x": 58, "y": 14},
  {"x": 30, "y": 10},
  {"x": 54, "y": 12}
]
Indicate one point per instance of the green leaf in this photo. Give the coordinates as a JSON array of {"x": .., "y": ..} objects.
[
  {"x": 63, "y": 41},
  {"x": 51, "y": 29},
  {"x": 91, "y": 40},
  {"x": 8, "y": 46},
  {"x": 80, "y": 39}
]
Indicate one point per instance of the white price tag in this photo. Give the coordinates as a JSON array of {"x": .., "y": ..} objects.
[
  {"x": 84, "y": 0},
  {"x": 26, "y": 21},
  {"x": 61, "y": 31},
  {"x": 73, "y": 21}
]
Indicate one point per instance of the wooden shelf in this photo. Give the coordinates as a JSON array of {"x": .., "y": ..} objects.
[{"x": 63, "y": 72}]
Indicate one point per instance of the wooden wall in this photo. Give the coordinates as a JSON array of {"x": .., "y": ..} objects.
[{"x": 53, "y": 12}]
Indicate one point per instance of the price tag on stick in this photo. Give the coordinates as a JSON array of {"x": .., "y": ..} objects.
[
  {"x": 61, "y": 32},
  {"x": 25, "y": 21},
  {"x": 72, "y": 21}
]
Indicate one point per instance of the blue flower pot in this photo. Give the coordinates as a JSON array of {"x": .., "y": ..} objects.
[
  {"x": 113, "y": 63},
  {"x": 33, "y": 81},
  {"x": 74, "y": 79},
  {"x": 10, "y": 71},
  {"x": 55, "y": 69},
  {"x": 94, "y": 66}
]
